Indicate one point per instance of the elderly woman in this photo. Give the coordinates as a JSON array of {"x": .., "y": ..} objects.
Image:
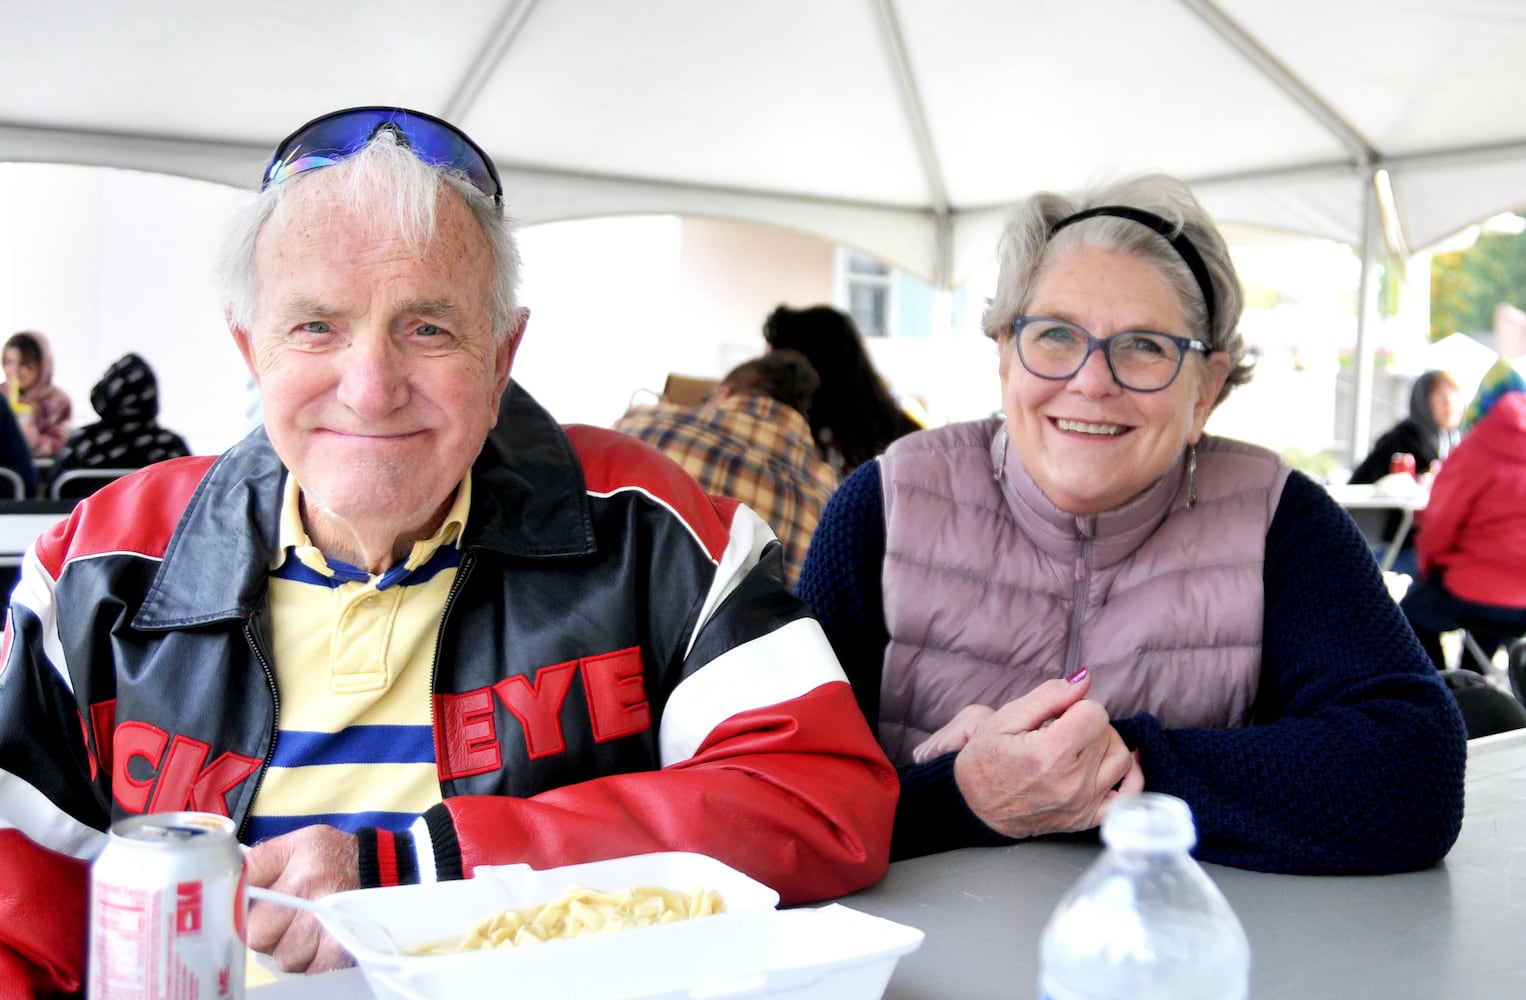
[{"x": 1088, "y": 596}]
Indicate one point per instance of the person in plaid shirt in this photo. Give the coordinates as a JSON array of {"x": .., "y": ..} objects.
[{"x": 751, "y": 441}]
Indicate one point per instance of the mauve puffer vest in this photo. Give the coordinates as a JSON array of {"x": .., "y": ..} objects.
[{"x": 990, "y": 589}]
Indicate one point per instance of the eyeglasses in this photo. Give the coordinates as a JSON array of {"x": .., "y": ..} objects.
[
  {"x": 339, "y": 135},
  {"x": 1140, "y": 360}
]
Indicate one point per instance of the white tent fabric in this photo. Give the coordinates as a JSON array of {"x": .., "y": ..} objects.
[{"x": 901, "y": 127}]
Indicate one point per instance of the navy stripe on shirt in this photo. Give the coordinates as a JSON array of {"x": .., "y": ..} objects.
[
  {"x": 264, "y": 827},
  {"x": 356, "y": 745}
]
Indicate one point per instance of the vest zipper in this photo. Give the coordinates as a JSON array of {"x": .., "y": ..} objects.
[{"x": 1078, "y": 612}]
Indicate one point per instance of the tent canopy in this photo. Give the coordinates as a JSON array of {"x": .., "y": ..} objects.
[{"x": 900, "y": 127}]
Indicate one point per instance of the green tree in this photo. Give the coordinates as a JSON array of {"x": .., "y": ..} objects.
[{"x": 1466, "y": 285}]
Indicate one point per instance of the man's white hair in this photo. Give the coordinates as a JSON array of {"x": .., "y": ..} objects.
[{"x": 384, "y": 167}]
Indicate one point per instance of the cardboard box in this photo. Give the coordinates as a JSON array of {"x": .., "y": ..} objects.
[{"x": 687, "y": 390}]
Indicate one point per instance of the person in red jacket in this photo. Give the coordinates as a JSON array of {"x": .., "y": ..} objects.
[
  {"x": 389, "y": 649},
  {"x": 1472, "y": 538}
]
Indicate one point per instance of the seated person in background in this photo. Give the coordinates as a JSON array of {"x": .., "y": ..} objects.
[
  {"x": 553, "y": 654},
  {"x": 1503, "y": 376},
  {"x": 853, "y": 414},
  {"x": 1089, "y": 596},
  {"x": 1427, "y": 434},
  {"x": 41, "y": 407},
  {"x": 1472, "y": 538},
  {"x": 750, "y": 441},
  {"x": 14, "y": 453},
  {"x": 127, "y": 435}
]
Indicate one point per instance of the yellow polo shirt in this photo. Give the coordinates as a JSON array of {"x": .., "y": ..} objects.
[{"x": 353, "y": 659}]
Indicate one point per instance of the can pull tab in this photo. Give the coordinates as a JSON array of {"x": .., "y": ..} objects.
[{"x": 340, "y": 922}]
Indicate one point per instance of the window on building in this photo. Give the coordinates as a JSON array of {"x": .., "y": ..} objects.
[{"x": 867, "y": 290}]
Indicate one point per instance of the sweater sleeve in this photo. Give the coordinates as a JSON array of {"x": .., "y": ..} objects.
[
  {"x": 840, "y": 581},
  {"x": 1354, "y": 759}
]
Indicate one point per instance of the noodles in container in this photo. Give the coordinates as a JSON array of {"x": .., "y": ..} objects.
[
  {"x": 742, "y": 946},
  {"x": 580, "y": 911}
]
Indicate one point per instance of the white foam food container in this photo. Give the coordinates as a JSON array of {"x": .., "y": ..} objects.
[{"x": 752, "y": 949}]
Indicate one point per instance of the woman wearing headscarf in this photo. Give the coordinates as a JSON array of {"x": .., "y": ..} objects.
[
  {"x": 1427, "y": 435},
  {"x": 1088, "y": 595},
  {"x": 1472, "y": 538},
  {"x": 41, "y": 407}
]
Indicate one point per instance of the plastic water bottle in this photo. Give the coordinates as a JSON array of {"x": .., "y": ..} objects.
[{"x": 1144, "y": 922}]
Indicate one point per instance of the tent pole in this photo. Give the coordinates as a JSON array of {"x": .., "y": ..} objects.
[{"x": 1362, "y": 363}]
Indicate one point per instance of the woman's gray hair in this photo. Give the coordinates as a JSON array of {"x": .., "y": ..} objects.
[
  {"x": 1027, "y": 248},
  {"x": 383, "y": 166}
]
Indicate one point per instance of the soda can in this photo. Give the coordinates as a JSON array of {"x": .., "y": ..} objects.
[
  {"x": 167, "y": 909},
  {"x": 1402, "y": 461}
]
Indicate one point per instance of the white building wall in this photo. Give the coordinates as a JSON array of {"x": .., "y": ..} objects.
[
  {"x": 109, "y": 261},
  {"x": 733, "y": 274}
]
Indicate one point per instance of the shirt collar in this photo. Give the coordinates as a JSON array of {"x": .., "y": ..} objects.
[{"x": 293, "y": 541}]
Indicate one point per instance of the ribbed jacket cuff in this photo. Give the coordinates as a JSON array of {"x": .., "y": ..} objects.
[
  {"x": 447, "y": 849},
  {"x": 932, "y": 816},
  {"x": 387, "y": 857}
]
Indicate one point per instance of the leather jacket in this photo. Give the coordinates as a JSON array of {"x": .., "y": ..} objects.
[{"x": 618, "y": 669}]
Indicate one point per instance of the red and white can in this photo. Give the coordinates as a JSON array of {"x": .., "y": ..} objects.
[
  {"x": 1401, "y": 463},
  {"x": 167, "y": 908}
]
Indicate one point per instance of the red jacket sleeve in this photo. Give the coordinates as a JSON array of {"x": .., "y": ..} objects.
[
  {"x": 797, "y": 795},
  {"x": 44, "y": 900},
  {"x": 1446, "y": 510}
]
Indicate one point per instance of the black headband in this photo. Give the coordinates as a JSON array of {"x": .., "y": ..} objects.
[{"x": 1179, "y": 242}]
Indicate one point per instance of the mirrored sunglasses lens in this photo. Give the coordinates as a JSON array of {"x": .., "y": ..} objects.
[
  {"x": 322, "y": 143},
  {"x": 440, "y": 146},
  {"x": 331, "y": 140}
]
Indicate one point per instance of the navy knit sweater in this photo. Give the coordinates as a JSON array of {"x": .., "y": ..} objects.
[{"x": 1354, "y": 761}]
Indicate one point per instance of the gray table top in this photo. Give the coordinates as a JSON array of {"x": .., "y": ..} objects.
[
  {"x": 1451, "y": 931},
  {"x": 1454, "y": 931}
]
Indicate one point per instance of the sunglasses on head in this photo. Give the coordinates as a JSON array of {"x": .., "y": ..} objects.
[{"x": 336, "y": 136}]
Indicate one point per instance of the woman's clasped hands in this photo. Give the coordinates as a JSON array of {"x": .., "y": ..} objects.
[{"x": 1048, "y": 762}]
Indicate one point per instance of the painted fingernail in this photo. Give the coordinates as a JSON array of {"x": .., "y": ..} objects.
[{"x": 1078, "y": 676}]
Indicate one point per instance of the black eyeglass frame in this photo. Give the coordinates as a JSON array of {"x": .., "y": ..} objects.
[{"x": 1103, "y": 344}]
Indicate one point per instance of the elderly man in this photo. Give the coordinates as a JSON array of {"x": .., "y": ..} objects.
[{"x": 388, "y": 652}]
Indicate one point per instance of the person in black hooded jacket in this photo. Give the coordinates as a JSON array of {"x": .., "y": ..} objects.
[
  {"x": 1428, "y": 433},
  {"x": 127, "y": 435}
]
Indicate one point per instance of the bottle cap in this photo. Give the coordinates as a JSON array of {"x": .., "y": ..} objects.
[{"x": 1149, "y": 821}]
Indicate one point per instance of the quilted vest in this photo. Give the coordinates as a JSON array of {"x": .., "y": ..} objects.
[{"x": 990, "y": 589}]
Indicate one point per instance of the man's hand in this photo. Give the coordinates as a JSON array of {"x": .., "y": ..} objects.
[
  {"x": 1048, "y": 762},
  {"x": 311, "y": 862}
]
